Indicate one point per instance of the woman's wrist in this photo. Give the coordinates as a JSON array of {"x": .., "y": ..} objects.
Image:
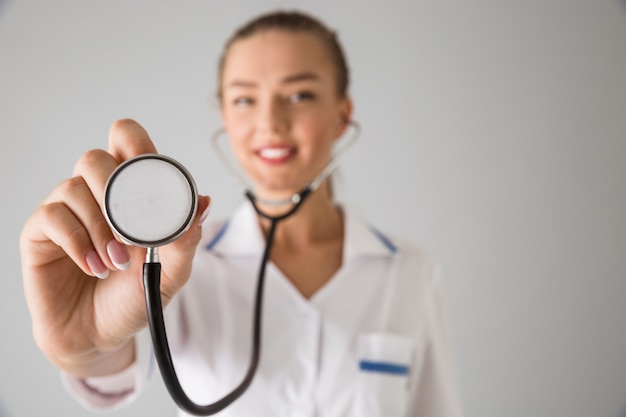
[{"x": 98, "y": 363}]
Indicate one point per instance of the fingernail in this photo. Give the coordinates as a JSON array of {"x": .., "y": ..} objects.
[
  {"x": 204, "y": 215},
  {"x": 96, "y": 265},
  {"x": 119, "y": 255}
]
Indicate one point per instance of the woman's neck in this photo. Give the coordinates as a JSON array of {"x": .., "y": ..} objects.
[{"x": 317, "y": 221}]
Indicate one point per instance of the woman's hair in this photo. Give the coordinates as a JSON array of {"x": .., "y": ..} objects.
[{"x": 296, "y": 22}]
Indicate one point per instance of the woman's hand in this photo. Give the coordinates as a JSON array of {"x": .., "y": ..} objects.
[{"x": 84, "y": 324}]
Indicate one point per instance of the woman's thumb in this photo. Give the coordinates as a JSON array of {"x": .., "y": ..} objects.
[
  {"x": 176, "y": 258},
  {"x": 191, "y": 238},
  {"x": 204, "y": 208}
]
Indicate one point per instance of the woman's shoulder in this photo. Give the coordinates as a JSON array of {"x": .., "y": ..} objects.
[
  {"x": 414, "y": 266},
  {"x": 412, "y": 251},
  {"x": 216, "y": 228},
  {"x": 415, "y": 260},
  {"x": 364, "y": 232},
  {"x": 212, "y": 232}
]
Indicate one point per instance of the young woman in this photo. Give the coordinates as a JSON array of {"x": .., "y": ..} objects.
[{"x": 352, "y": 319}]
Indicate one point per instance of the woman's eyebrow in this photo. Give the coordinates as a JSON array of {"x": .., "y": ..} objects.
[
  {"x": 241, "y": 83},
  {"x": 304, "y": 76}
]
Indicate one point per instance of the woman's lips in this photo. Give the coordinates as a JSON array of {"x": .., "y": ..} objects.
[{"x": 276, "y": 154}]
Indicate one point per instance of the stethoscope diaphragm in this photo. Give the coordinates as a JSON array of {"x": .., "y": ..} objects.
[{"x": 150, "y": 200}]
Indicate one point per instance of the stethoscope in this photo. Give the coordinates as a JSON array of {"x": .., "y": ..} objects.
[{"x": 150, "y": 201}]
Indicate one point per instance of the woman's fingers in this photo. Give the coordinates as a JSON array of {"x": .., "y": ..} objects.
[
  {"x": 81, "y": 196},
  {"x": 95, "y": 167},
  {"x": 128, "y": 139},
  {"x": 72, "y": 218},
  {"x": 54, "y": 232}
]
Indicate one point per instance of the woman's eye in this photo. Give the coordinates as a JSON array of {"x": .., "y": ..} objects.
[
  {"x": 243, "y": 101},
  {"x": 301, "y": 96}
]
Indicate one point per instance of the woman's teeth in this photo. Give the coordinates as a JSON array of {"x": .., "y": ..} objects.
[{"x": 274, "y": 153}]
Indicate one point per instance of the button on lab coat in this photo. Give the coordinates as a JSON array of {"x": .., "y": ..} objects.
[{"x": 371, "y": 342}]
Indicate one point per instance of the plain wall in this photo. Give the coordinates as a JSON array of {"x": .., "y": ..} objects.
[{"x": 494, "y": 135}]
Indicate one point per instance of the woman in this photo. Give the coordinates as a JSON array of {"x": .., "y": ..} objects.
[{"x": 352, "y": 319}]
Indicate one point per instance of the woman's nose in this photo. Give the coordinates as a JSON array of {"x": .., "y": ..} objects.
[{"x": 273, "y": 116}]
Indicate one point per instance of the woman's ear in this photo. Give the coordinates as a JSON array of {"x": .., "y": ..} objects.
[{"x": 344, "y": 117}]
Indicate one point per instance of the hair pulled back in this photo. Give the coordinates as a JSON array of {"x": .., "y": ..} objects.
[{"x": 296, "y": 22}]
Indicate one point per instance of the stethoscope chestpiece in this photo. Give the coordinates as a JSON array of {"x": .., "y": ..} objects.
[{"x": 150, "y": 200}]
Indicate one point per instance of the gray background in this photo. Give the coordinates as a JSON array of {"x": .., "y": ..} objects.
[{"x": 494, "y": 135}]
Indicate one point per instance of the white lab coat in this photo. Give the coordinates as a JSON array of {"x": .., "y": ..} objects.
[{"x": 371, "y": 342}]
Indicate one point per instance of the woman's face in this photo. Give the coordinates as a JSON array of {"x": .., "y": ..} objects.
[{"x": 281, "y": 109}]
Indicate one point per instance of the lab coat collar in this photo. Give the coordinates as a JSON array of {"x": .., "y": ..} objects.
[{"x": 242, "y": 236}]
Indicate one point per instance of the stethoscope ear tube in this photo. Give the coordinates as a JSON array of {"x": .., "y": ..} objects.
[{"x": 341, "y": 149}]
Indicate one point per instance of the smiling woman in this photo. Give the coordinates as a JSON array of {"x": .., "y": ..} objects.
[
  {"x": 281, "y": 110},
  {"x": 353, "y": 322}
]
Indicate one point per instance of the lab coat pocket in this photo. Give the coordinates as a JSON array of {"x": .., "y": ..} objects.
[{"x": 384, "y": 365}]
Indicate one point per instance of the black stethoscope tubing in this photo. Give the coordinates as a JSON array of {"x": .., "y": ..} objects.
[{"x": 154, "y": 307}]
